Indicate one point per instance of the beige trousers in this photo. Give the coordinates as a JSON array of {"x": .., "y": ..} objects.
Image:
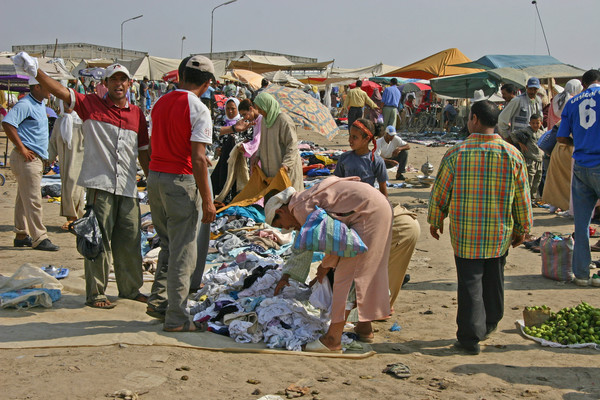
[
  {"x": 28, "y": 204},
  {"x": 405, "y": 233}
]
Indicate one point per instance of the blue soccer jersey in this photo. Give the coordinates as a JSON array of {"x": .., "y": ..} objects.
[{"x": 581, "y": 120}]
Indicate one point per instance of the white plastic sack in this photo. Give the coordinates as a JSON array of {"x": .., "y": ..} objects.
[
  {"x": 28, "y": 276},
  {"x": 322, "y": 295}
]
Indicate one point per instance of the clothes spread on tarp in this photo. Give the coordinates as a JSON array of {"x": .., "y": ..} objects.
[
  {"x": 307, "y": 168},
  {"x": 237, "y": 296},
  {"x": 240, "y": 303},
  {"x": 254, "y": 212},
  {"x": 318, "y": 172},
  {"x": 258, "y": 272}
]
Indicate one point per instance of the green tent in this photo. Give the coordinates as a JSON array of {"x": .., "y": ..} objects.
[{"x": 463, "y": 86}]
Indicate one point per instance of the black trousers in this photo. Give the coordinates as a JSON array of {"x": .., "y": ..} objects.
[
  {"x": 402, "y": 159},
  {"x": 480, "y": 297},
  {"x": 354, "y": 113}
]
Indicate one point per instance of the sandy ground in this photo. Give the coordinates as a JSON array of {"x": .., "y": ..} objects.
[{"x": 510, "y": 366}]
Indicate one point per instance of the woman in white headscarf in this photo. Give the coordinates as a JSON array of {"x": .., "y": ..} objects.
[
  {"x": 558, "y": 102},
  {"x": 66, "y": 142},
  {"x": 232, "y": 124}
]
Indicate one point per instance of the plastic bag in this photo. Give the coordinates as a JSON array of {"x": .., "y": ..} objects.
[
  {"x": 557, "y": 253},
  {"x": 29, "y": 287},
  {"x": 89, "y": 236},
  {"x": 322, "y": 295},
  {"x": 26, "y": 277}
]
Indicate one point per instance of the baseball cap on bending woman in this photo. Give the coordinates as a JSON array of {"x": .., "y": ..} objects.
[{"x": 114, "y": 68}]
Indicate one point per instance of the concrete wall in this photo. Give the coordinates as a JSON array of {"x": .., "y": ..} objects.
[
  {"x": 231, "y": 55},
  {"x": 78, "y": 51}
]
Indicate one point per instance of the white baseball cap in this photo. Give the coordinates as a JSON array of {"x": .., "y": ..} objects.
[
  {"x": 114, "y": 68},
  {"x": 390, "y": 130}
]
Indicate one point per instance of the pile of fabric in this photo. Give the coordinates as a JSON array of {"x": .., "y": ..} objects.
[
  {"x": 237, "y": 294},
  {"x": 237, "y": 300}
]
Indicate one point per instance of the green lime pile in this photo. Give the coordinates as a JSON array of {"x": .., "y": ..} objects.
[{"x": 579, "y": 324}]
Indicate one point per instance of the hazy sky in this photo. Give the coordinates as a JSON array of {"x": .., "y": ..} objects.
[{"x": 355, "y": 33}]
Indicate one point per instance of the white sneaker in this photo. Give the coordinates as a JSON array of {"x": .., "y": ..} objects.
[
  {"x": 581, "y": 282},
  {"x": 565, "y": 214}
]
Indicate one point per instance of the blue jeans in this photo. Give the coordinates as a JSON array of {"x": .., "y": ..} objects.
[{"x": 585, "y": 192}]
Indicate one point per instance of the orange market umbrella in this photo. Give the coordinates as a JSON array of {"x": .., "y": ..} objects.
[
  {"x": 436, "y": 65},
  {"x": 305, "y": 110}
]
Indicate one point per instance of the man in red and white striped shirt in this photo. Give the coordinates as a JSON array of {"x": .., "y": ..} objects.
[
  {"x": 115, "y": 136},
  {"x": 178, "y": 189}
]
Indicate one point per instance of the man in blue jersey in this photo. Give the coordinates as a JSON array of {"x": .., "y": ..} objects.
[{"x": 581, "y": 126}]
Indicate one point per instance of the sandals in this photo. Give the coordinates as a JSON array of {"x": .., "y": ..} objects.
[
  {"x": 365, "y": 338},
  {"x": 142, "y": 298},
  {"x": 318, "y": 347},
  {"x": 97, "y": 304},
  {"x": 187, "y": 325},
  {"x": 154, "y": 313},
  {"x": 595, "y": 246},
  {"x": 397, "y": 370}
]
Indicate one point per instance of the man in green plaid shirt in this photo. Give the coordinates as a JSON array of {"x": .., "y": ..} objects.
[{"x": 482, "y": 186}]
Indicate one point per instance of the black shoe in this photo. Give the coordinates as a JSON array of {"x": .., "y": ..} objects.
[
  {"x": 471, "y": 350},
  {"x": 406, "y": 279},
  {"x": 27, "y": 242},
  {"x": 400, "y": 177},
  {"x": 46, "y": 245},
  {"x": 154, "y": 313}
]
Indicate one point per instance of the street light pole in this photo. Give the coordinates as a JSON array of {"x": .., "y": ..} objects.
[
  {"x": 534, "y": 2},
  {"x": 212, "y": 15},
  {"x": 130, "y": 19},
  {"x": 181, "y": 55}
]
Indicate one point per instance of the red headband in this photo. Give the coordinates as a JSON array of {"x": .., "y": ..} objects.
[{"x": 369, "y": 134}]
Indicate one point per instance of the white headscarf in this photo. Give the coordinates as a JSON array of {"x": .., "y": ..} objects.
[
  {"x": 232, "y": 121},
  {"x": 572, "y": 87},
  {"x": 276, "y": 202},
  {"x": 66, "y": 124}
]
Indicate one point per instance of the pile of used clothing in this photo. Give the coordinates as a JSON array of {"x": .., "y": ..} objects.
[
  {"x": 318, "y": 162},
  {"x": 237, "y": 297}
]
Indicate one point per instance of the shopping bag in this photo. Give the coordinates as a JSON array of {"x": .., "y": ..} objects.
[
  {"x": 557, "y": 253},
  {"x": 89, "y": 236},
  {"x": 323, "y": 233},
  {"x": 322, "y": 295}
]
